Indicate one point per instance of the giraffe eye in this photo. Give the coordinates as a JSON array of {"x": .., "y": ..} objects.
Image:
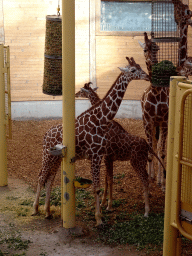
[
  {"x": 133, "y": 70},
  {"x": 145, "y": 50}
]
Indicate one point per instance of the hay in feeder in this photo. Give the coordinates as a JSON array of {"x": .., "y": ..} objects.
[{"x": 52, "y": 82}]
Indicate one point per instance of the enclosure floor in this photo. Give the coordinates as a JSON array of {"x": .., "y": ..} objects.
[{"x": 25, "y": 156}]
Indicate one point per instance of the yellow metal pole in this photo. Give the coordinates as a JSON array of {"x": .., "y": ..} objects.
[
  {"x": 68, "y": 87},
  {"x": 170, "y": 232},
  {"x": 3, "y": 143}
]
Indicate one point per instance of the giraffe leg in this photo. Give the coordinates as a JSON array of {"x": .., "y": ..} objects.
[
  {"x": 161, "y": 155},
  {"x": 95, "y": 170},
  {"x": 139, "y": 164},
  {"x": 146, "y": 196},
  {"x": 48, "y": 214},
  {"x": 110, "y": 183},
  {"x": 49, "y": 184},
  {"x": 150, "y": 133},
  {"x": 36, "y": 202},
  {"x": 104, "y": 198}
]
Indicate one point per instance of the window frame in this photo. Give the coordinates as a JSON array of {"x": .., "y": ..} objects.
[{"x": 115, "y": 33}]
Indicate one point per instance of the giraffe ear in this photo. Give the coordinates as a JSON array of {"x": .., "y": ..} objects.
[
  {"x": 141, "y": 44},
  {"x": 123, "y": 69},
  {"x": 95, "y": 88},
  {"x": 84, "y": 90},
  {"x": 188, "y": 64}
]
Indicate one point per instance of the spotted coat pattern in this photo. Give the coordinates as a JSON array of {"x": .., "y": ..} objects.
[
  {"x": 182, "y": 15},
  {"x": 90, "y": 136},
  {"x": 155, "y": 106},
  {"x": 122, "y": 146}
]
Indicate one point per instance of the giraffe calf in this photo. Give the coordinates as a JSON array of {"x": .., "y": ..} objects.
[{"x": 124, "y": 146}]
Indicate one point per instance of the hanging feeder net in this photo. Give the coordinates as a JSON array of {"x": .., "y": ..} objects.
[
  {"x": 165, "y": 36},
  {"x": 52, "y": 82}
]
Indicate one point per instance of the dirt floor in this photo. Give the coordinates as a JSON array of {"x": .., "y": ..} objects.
[{"x": 24, "y": 163}]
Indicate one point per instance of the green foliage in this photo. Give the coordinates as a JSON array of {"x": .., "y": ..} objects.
[
  {"x": 118, "y": 202},
  {"x": 81, "y": 196},
  {"x": 137, "y": 231},
  {"x": 161, "y": 73},
  {"x": 12, "y": 197},
  {"x": 27, "y": 202},
  {"x": 55, "y": 198},
  {"x": 16, "y": 242},
  {"x": 119, "y": 176},
  {"x": 22, "y": 211}
]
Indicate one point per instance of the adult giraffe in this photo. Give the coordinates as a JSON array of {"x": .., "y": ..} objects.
[
  {"x": 155, "y": 106},
  {"x": 90, "y": 140},
  {"x": 182, "y": 15},
  {"x": 122, "y": 146}
]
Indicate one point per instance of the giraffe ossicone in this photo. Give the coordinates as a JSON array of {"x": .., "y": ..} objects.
[{"x": 90, "y": 137}]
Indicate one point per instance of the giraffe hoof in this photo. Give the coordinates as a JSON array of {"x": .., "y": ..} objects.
[
  {"x": 109, "y": 209},
  {"x": 100, "y": 226},
  {"x": 49, "y": 217},
  {"x": 163, "y": 189},
  {"x": 35, "y": 214}
]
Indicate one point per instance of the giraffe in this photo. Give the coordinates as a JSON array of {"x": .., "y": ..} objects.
[
  {"x": 149, "y": 56},
  {"x": 155, "y": 106},
  {"x": 90, "y": 139},
  {"x": 182, "y": 15},
  {"x": 122, "y": 146},
  {"x": 186, "y": 69},
  {"x": 155, "y": 100}
]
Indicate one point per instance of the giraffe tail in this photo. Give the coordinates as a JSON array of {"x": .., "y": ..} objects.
[{"x": 156, "y": 156}]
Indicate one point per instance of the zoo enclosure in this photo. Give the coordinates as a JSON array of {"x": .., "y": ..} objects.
[{"x": 178, "y": 200}]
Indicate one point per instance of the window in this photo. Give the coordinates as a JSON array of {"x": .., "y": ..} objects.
[
  {"x": 125, "y": 16},
  {"x": 129, "y": 17}
]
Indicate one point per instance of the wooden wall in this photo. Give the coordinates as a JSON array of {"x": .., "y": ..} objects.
[{"x": 98, "y": 56}]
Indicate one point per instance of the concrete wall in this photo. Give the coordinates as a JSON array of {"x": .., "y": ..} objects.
[{"x": 53, "y": 109}]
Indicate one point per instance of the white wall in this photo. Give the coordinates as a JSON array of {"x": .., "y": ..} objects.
[{"x": 53, "y": 109}]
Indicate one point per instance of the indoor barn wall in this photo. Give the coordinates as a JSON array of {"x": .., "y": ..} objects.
[
  {"x": 24, "y": 23},
  {"x": 97, "y": 56}
]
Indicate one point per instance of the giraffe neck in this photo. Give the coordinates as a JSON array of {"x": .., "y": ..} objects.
[
  {"x": 183, "y": 44},
  {"x": 148, "y": 62},
  {"x": 105, "y": 110},
  {"x": 111, "y": 102},
  {"x": 93, "y": 97}
]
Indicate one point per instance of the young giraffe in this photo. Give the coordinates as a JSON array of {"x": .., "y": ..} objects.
[
  {"x": 155, "y": 106},
  {"x": 121, "y": 146},
  {"x": 90, "y": 139}
]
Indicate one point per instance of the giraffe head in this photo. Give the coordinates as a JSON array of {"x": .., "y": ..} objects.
[
  {"x": 186, "y": 68},
  {"x": 182, "y": 13},
  {"x": 86, "y": 90},
  {"x": 133, "y": 71},
  {"x": 150, "y": 49}
]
